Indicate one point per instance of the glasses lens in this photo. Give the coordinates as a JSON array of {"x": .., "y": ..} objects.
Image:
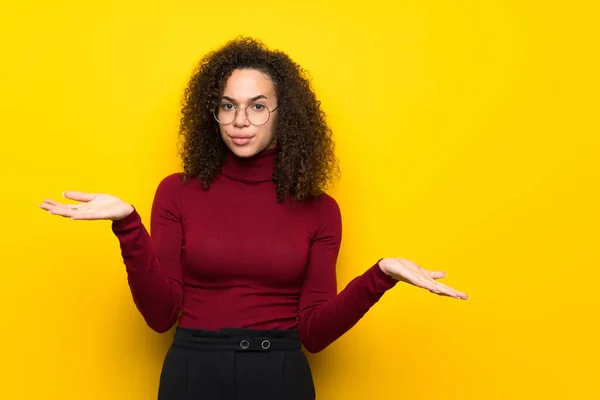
[
  {"x": 258, "y": 114},
  {"x": 224, "y": 113}
]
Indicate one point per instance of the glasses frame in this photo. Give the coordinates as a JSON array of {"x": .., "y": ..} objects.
[{"x": 215, "y": 108}]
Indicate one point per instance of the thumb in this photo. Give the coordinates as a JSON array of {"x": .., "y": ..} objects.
[
  {"x": 79, "y": 196},
  {"x": 436, "y": 274}
]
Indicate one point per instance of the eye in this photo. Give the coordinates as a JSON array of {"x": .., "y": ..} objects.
[
  {"x": 258, "y": 107},
  {"x": 227, "y": 106}
]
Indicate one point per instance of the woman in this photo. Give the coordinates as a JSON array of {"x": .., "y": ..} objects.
[{"x": 245, "y": 241}]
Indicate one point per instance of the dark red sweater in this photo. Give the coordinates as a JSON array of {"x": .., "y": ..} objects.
[{"x": 231, "y": 256}]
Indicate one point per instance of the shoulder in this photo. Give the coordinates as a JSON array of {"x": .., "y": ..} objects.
[
  {"x": 329, "y": 213},
  {"x": 172, "y": 180},
  {"x": 169, "y": 186},
  {"x": 327, "y": 204}
]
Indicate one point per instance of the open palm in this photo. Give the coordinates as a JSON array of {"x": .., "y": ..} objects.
[
  {"x": 92, "y": 206},
  {"x": 409, "y": 272}
]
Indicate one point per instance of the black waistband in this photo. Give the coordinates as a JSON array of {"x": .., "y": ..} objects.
[{"x": 237, "y": 339}]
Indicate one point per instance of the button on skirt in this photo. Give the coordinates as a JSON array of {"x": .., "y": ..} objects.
[{"x": 236, "y": 364}]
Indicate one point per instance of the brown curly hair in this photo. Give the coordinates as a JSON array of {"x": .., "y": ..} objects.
[{"x": 305, "y": 160}]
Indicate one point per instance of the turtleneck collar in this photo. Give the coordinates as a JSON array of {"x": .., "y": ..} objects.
[{"x": 254, "y": 169}]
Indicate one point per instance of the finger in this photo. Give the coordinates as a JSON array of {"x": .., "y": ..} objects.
[
  {"x": 61, "y": 211},
  {"x": 45, "y": 206},
  {"x": 56, "y": 206},
  {"x": 450, "y": 291},
  {"x": 437, "y": 287},
  {"x": 422, "y": 278},
  {"x": 431, "y": 274},
  {"x": 52, "y": 205},
  {"x": 436, "y": 274},
  {"x": 425, "y": 282},
  {"x": 441, "y": 294},
  {"x": 425, "y": 279},
  {"x": 70, "y": 210},
  {"x": 442, "y": 288},
  {"x": 454, "y": 296},
  {"x": 446, "y": 289},
  {"x": 79, "y": 196},
  {"x": 52, "y": 202}
]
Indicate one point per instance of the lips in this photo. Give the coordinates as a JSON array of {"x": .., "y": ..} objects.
[{"x": 241, "y": 140}]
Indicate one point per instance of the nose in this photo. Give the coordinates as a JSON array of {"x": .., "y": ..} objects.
[{"x": 241, "y": 119}]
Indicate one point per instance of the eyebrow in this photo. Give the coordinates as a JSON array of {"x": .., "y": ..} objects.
[{"x": 260, "y": 96}]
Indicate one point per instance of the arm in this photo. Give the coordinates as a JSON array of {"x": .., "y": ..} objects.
[
  {"x": 325, "y": 315},
  {"x": 153, "y": 264}
]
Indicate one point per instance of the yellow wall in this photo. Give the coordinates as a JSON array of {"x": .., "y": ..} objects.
[{"x": 468, "y": 138}]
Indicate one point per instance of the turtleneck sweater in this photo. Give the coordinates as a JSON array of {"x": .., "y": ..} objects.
[{"x": 231, "y": 256}]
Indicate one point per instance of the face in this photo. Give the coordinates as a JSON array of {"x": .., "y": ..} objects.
[{"x": 255, "y": 90}]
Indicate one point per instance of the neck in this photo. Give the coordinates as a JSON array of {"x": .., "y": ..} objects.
[{"x": 255, "y": 169}]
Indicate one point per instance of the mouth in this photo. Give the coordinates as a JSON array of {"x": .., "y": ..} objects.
[{"x": 241, "y": 140}]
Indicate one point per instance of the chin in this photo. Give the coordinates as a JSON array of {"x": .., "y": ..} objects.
[{"x": 244, "y": 151}]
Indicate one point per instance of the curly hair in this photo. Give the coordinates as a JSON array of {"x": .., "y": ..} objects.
[{"x": 305, "y": 162}]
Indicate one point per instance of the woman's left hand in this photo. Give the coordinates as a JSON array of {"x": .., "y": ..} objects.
[{"x": 409, "y": 272}]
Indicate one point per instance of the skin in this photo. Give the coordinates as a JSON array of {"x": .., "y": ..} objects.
[{"x": 242, "y": 86}]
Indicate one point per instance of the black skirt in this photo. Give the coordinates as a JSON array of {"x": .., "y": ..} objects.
[{"x": 236, "y": 364}]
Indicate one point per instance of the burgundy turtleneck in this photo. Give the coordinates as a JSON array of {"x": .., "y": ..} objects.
[{"x": 231, "y": 256}]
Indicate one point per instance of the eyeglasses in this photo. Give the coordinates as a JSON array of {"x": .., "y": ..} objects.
[{"x": 256, "y": 113}]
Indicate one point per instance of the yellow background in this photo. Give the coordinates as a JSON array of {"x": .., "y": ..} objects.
[{"x": 467, "y": 133}]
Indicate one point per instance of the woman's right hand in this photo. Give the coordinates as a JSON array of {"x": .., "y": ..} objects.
[{"x": 92, "y": 206}]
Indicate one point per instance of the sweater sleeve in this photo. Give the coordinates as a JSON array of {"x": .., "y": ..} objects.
[
  {"x": 153, "y": 263},
  {"x": 325, "y": 315}
]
